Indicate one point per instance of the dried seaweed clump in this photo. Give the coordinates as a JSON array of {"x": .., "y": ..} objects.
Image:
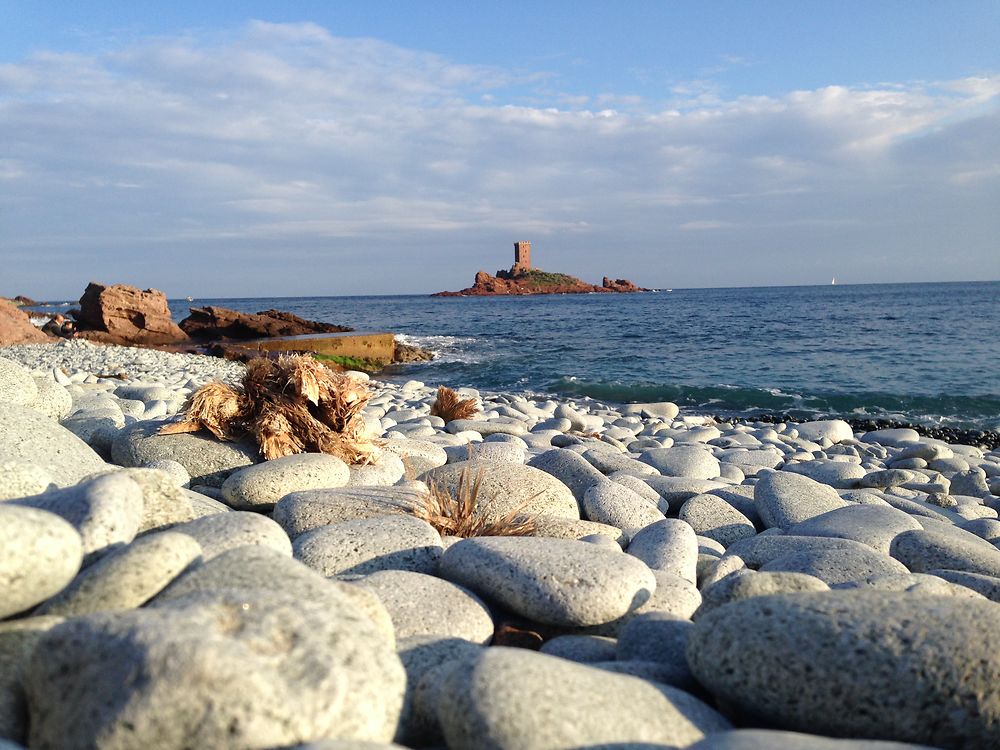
[
  {"x": 456, "y": 515},
  {"x": 449, "y": 406},
  {"x": 290, "y": 405}
]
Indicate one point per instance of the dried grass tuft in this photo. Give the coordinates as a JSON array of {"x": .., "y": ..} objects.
[
  {"x": 290, "y": 405},
  {"x": 449, "y": 406},
  {"x": 455, "y": 515}
]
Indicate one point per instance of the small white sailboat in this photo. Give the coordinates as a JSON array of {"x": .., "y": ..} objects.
[{"x": 833, "y": 281}]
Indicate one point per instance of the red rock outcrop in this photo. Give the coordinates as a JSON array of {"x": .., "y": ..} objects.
[
  {"x": 621, "y": 285},
  {"x": 534, "y": 281},
  {"x": 223, "y": 324},
  {"x": 122, "y": 314},
  {"x": 15, "y": 328}
]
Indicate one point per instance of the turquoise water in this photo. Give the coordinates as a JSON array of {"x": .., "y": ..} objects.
[{"x": 921, "y": 353}]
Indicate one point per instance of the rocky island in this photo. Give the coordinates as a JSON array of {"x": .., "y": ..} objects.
[{"x": 523, "y": 279}]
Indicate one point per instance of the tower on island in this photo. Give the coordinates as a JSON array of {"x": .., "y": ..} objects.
[{"x": 522, "y": 257}]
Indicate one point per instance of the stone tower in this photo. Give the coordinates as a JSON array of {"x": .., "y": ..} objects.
[{"x": 522, "y": 257}]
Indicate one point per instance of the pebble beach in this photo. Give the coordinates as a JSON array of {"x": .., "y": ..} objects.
[{"x": 688, "y": 582}]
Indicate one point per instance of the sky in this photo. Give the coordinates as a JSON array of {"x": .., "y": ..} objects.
[{"x": 249, "y": 149}]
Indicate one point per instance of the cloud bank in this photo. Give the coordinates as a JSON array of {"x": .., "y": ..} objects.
[{"x": 277, "y": 159}]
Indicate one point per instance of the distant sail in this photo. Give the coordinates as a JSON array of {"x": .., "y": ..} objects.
[{"x": 833, "y": 281}]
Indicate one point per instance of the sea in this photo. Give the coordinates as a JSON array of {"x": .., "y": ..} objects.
[
  {"x": 921, "y": 354},
  {"x": 924, "y": 354}
]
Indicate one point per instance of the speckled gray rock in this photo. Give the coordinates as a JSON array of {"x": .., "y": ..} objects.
[
  {"x": 690, "y": 461},
  {"x": 507, "y": 453},
  {"x": 784, "y": 499},
  {"x": 41, "y": 554},
  {"x": 711, "y": 516},
  {"x": 18, "y": 639},
  {"x": 747, "y": 583},
  {"x": 761, "y": 549},
  {"x": 509, "y": 487},
  {"x": 387, "y": 470},
  {"x": 673, "y": 597},
  {"x": 164, "y": 503},
  {"x": 251, "y": 567},
  {"x": 740, "y": 497},
  {"x": 837, "y": 566},
  {"x": 237, "y": 669},
  {"x": 887, "y": 478},
  {"x": 52, "y": 399},
  {"x": 895, "y": 437},
  {"x": 608, "y": 462},
  {"x": 508, "y": 699},
  {"x": 421, "y": 604},
  {"x": 675, "y": 490},
  {"x": 16, "y": 384},
  {"x": 171, "y": 468},
  {"x": 873, "y": 525},
  {"x": 418, "y": 456},
  {"x": 616, "y": 505},
  {"x": 569, "y": 468},
  {"x": 922, "y": 584},
  {"x": 260, "y": 486},
  {"x": 222, "y": 532},
  {"x": 988, "y": 586},
  {"x": 106, "y": 510},
  {"x": 422, "y": 655},
  {"x": 207, "y": 460},
  {"x": 27, "y": 436},
  {"x": 984, "y": 528},
  {"x": 670, "y": 545},
  {"x": 662, "y": 409},
  {"x": 834, "y": 430},
  {"x": 571, "y": 528},
  {"x": 945, "y": 547},
  {"x": 839, "y": 474},
  {"x": 924, "y": 670},
  {"x": 487, "y": 427},
  {"x": 971, "y": 483},
  {"x": 304, "y": 511},
  {"x": 368, "y": 545},
  {"x": 126, "y": 578},
  {"x": 581, "y": 648},
  {"x": 20, "y": 479},
  {"x": 552, "y": 581},
  {"x": 577, "y": 420},
  {"x": 751, "y": 461},
  {"x": 772, "y": 739},
  {"x": 658, "y": 637}
]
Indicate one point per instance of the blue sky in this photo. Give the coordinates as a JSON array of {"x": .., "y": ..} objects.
[{"x": 309, "y": 148}]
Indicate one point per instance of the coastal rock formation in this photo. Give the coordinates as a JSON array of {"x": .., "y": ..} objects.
[
  {"x": 534, "y": 281},
  {"x": 16, "y": 328},
  {"x": 221, "y": 324},
  {"x": 122, "y": 314},
  {"x": 19, "y": 301}
]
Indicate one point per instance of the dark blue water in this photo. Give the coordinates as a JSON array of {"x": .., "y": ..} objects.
[{"x": 924, "y": 353}]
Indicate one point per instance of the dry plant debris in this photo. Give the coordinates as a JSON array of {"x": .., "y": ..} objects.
[
  {"x": 290, "y": 405},
  {"x": 449, "y": 406},
  {"x": 456, "y": 515}
]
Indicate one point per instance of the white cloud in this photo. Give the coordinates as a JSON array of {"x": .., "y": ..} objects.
[{"x": 208, "y": 150}]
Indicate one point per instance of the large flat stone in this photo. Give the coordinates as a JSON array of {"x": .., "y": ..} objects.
[
  {"x": 923, "y": 669},
  {"x": 27, "y": 436},
  {"x": 784, "y": 499},
  {"x": 207, "y": 460},
  {"x": 241, "y": 669},
  {"x": 509, "y": 699},
  {"x": 552, "y": 581},
  {"x": 505, "y": 488},
  {"x": 41, "y": 555}
]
